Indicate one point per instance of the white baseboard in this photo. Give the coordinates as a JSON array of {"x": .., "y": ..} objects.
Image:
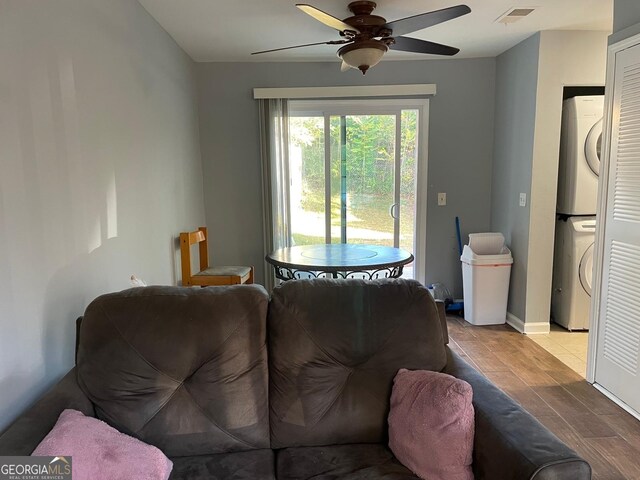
[
  {"x": 515, "y": 322},
  {"x": 528, "y": 328},
  {"x": 616, "y": 400}
]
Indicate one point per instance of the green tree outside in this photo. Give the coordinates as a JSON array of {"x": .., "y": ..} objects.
[{"x": 370, "y": 150}]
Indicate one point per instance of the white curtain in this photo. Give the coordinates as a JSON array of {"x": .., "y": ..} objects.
[{"x": 274, "y": 142}]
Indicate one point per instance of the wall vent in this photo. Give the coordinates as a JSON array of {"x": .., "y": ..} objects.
[{"x": 514, "y": 14}]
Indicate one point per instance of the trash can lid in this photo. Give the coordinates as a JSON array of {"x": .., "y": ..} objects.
[
  {"x": 490, "y": 243},
  {"x": 471, "y": 258}
]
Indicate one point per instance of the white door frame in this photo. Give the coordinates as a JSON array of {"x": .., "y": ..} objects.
[{"x": 377, "y": 106}]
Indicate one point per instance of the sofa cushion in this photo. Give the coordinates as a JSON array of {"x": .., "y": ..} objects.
[
  {"x": 346, "y": 462},
  {"x": 250, "y": 465},
  {"x": 334, "y": 349},
  {"x": 100, "y": 451},
  {"x": 180, "y": 368},
  {"x": 431, "y": 424}
]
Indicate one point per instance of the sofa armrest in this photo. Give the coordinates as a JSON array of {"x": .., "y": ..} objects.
[
  {"x": 24, "y": 435},
  {"x": 510, "y": 443}
]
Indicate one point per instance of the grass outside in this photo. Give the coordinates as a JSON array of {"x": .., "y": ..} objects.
[{"x": 368, "y": 220}]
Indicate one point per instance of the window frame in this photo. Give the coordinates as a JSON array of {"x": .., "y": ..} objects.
[{"x": 331, "y": 107}]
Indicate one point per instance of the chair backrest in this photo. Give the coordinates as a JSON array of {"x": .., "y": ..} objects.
[{"x": 186, "y": 240}]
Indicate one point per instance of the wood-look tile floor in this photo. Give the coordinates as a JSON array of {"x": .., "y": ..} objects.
[
  {"x": 561, "y": 399},
  {"x": 569, "y": 347}
]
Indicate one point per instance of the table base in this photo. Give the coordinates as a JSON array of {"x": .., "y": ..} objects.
[{"x": 288, "y": 273}]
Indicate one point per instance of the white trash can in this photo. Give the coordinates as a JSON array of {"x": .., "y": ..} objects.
[{"x": 486, "y": 268}]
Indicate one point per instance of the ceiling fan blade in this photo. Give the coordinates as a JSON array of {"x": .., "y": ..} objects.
[
  {"x": 424, "y": 20},
  {"x": 407, "y": 44},
  {"x": 325, "y": 18},
  {"x": 344, "y": 67},
  {"x": 332, "y": 42}
]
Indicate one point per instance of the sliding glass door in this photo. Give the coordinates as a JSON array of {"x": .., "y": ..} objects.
[{"x": 353, "y": 168}]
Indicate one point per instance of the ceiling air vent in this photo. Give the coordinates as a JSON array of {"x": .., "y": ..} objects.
[{"x": 515, "y": 14}]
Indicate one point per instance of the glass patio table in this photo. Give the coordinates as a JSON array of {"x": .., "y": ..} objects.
[{"x": 338, "y": 260}]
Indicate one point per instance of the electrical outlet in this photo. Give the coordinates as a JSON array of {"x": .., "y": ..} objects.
[
  {"x": 442, "y": 199},
  {"x": 523, "y": 199}
]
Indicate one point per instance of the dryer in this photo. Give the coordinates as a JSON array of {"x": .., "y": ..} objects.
[
  {"x": 572, "y": 272},
  {"x": 580, "y": 144}
]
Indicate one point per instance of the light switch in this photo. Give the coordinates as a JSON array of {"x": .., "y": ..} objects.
[
  {"x": 523, "y": 199},
  {"x": 442, "y": 199}
]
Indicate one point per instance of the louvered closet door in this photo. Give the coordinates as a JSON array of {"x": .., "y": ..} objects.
[{"x": 617, "y": 367}]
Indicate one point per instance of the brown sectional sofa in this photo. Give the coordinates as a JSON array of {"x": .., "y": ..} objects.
[{"x": 231, "y": 384}]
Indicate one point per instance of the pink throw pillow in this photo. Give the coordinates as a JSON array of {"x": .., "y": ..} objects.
[
  {"x": 99, "y": 451},
  {"x": 431, "y": 424}
]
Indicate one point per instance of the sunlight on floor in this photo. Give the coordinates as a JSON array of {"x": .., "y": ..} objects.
[{"x": 568, "y": 347}]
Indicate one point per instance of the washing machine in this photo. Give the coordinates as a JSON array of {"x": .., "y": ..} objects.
[
  {"x": 580, "y": 145},
  {"x": 572, "y": 272}
]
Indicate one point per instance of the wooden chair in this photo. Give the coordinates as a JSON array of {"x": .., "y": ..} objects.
[{"x": 208, "y": 275}]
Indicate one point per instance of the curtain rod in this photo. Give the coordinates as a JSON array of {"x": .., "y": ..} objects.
[{"x": 427, "y": 89}]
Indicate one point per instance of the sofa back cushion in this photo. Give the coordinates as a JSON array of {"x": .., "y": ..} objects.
[
  {"x": 334, "y": 349},
  {"x": 180, "y": 368}
]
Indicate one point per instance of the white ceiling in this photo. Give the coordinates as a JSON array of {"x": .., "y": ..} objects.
[{"x": 229, "y": 30}]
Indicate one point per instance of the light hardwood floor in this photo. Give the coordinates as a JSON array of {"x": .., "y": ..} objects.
[{"x": 560, "y": 398}]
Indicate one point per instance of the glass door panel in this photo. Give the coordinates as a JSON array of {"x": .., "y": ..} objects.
[
  {"x": 336, "y": 179},
  {"x": 307, "y": 186},
  {"x": 368, "y": 171},
  {"x": 408, "y": 182},
  {"x": 353, "y": 178}
]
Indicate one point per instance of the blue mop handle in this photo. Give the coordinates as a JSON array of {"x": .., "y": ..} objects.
[{"x": 458, "y": 234}]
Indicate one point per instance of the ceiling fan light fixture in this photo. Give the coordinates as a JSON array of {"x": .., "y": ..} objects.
[{"x": 363, "y": 54}]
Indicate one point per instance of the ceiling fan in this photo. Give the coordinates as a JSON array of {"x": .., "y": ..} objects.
[{"x": 368, "y": 37}]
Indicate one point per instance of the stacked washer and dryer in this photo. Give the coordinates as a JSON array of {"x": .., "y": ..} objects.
[{"x": 580, "y": 144}]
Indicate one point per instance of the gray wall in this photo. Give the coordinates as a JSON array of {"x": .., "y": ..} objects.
[
  {"x": 530, "y": 80},
  {"x": 100, "y": 169},
  {"x": 515, "y": 116},
  {"x": 460, "y": 149},
  {"x": 626, "y": 20},
  {"x": 626, "y": 13}
]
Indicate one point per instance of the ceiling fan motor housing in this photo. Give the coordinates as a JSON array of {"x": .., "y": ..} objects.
[
  {"x": 362, "y": 7},
  {"x": 368, "y": 25}
]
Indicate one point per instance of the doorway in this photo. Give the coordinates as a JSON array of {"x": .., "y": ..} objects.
[
  {"x": 356, "y": 172},
  {"x": 580, "y": 151}
]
